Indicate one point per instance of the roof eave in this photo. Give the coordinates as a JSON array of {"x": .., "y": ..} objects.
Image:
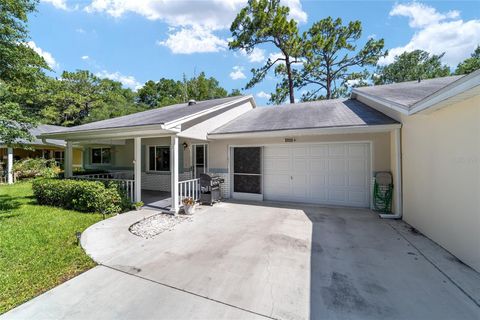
[
  {"x": 305, "y": 131},
  {"x": 179, "y": 121},
  {"x": 113, "y": 133},
  {"x": 434, "y": 101},
  {"x": 384, "y": 102}
]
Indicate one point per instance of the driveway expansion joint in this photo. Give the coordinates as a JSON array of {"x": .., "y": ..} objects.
[
  {"x": 189, "y": 292},
  {"x": 450, "y": 279}
]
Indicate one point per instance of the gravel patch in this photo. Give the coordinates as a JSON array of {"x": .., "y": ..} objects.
[{"x": 156, "y": 224}]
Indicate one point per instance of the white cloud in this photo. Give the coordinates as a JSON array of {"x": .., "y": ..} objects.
[
  {"x": 193, "y": 40},
  {"x": 237, "y": 73},
  {"x": 197, "y": 20},
  {"x": 85, "y": 57},
  {"x": 436, "y": 33},
  {"x": 421, "y": 15},
  {"x": 127, "y": 81},
  {"x": 217, "y": 14},
  {"x": 264, "y": 95},
  {"x": 59, "y": 4},
  {"x": 257, "y": 55},
  {"x": 47, "y": 56},
  {"x": 80, "y": 30}
]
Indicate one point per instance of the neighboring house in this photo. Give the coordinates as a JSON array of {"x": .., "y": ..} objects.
[
  {"x": 37, "y": 148},
  {"x": 323, "y": 152}
]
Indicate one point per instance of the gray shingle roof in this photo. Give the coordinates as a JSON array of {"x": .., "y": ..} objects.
[
  {"x": 154, "y": 116},
  {"x": 408, "y": 93},
  {"x": 317, "y": 114},
  {"x": 41, "y": 129}
]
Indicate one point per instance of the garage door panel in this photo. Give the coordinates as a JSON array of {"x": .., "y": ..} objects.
[
  {"x": 357, "y": 150},
  {"x": 336, "y": 150},
  {"x": 272, "y": 166},
  {"x": 357, "y": 165},
  {"x": 320, "y": 151},
  {"x": 325, "y": 173},
  {"x": 278, "y": 184},
  {"x": 337, "y": 180},
  {"x": 277, "y": 152},
  {"x": 318, "y": 165},
  {"x": 357, "y": 180},
  {"x": 335, "y": 165},
  {"x": 298, "y": 186}
]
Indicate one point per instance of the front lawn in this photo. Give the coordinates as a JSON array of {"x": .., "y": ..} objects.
[{"x": 38, "y": 246}]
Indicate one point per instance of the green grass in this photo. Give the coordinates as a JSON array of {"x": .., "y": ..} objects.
[{"x": 38, "y": 246}]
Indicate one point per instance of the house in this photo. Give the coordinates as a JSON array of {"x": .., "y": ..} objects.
[
  {"x": 324, "y": 152},
  {"x": 37, "y": 148}
]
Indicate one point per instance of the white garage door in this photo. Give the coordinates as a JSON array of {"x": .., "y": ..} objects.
[{"x": 336, "y": 173}]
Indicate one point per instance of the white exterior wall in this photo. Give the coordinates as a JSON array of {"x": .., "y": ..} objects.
[
  {"x": 441, "y": 177},
  {"x": 219, "y": 151}
]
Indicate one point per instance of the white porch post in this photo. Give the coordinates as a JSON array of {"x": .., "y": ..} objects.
[
  {"x": 68, "y": 160},
  {"x": 137, "y": 168},
  {"x": 174, "y": 173},
  {"x": 10, "y": 165}
]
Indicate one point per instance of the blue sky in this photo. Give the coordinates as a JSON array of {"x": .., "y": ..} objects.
[{"x": 135, "y": 41}]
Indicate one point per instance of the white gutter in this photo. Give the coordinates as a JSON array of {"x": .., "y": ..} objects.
[
  {"x": 398, "y": 184},
  {"x": 305, "y": 132}
]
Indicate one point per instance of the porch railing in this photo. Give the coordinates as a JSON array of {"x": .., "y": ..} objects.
[
  {"x": 188, "y": 189},
  {"x": 127, "y": 185}
]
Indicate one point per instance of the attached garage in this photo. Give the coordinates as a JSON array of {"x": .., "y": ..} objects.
[
  {"x": 326, "y": 173},
  {"x": 322, "y": 152}
]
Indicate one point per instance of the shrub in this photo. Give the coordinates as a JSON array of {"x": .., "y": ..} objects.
[
  {"x": 35, "y": 167},
  {"x": 80, "y": 195}
]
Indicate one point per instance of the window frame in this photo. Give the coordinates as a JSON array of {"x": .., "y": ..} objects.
[
  {"x": 147, "y": 155},
  {"x": 101, "y": 156}
]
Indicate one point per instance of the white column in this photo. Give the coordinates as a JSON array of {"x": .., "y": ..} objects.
[
  {"x": 174, "y": 173},
  {"x": 137, "y": 168},
  {"x": 10, "y": 165},
  {"x": 68, "y": 160}
]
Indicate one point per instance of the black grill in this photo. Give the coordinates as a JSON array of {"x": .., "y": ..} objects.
[{"x": 210, "y": 188}]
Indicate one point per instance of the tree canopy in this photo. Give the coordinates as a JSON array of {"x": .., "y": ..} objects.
[
  {"x": 330, "y": 56},
  {"x": 168, "y": 91},
  {"x": 20, "y": 68},
  {"x": 410, "y": 66},
  {"x": 470, "y": 64},
  {"x": 267, "y": 22}
]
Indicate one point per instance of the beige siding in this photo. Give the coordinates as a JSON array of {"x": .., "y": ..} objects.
[
  {"x": 441, "y": 177},
  {"x": 381, "y": 147}
]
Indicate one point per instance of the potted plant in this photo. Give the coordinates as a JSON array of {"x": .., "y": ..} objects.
[
  {"x": 188, "y": 205},
  {"x": 138, "y": 205}
]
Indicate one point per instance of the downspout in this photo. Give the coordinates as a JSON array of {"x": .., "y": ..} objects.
[{"x": 398, "y": 173}]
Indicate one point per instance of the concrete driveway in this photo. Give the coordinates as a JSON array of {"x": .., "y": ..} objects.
[{"x": 264, "y": 260}]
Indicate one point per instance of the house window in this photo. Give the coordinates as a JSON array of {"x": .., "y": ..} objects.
[
  {"x": 158, "y": 158},
  {"x": 59, "y": 156},
  {"x": 101, "y": 155}
]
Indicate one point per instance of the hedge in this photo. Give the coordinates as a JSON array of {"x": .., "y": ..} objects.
[{"x": 80, "y": 195}]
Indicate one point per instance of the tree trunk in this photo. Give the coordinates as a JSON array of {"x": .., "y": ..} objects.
[{"x": 290, "y": 80}]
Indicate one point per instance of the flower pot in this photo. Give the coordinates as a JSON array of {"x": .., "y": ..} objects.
[
  {"x": 189, "y": 209},
  {"x": 138, "y": 208}
]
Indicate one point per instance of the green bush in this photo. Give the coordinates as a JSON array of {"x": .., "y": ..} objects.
[
  {"x": 80, "y": 195},
  {"x": 35, "y": 167}
]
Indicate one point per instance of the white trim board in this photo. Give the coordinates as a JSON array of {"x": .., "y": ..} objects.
[{"x": 306, "y": 132}]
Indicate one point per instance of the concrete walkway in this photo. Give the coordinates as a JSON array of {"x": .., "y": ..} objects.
[{"x": 260, "y": 260}]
